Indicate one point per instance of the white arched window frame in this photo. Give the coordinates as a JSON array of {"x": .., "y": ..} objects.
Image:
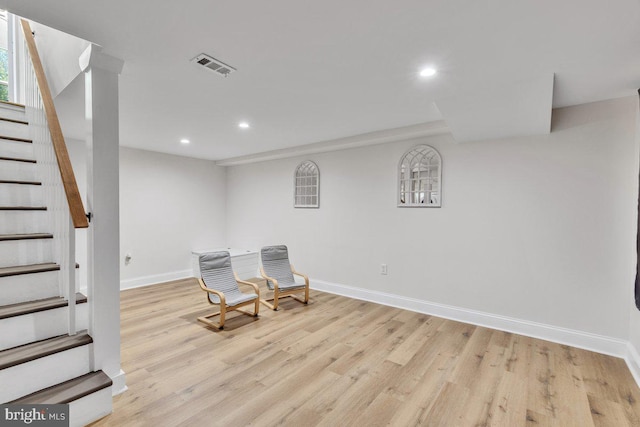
[
  {"x": 306, "y": 184},
  {"x": 420, "y": 178}
]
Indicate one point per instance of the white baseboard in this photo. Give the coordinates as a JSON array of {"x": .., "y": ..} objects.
[
  {"x": 139, "y": 282},
  {"x": 598, "y": 343},
  {"x": 119, "y": 383}
]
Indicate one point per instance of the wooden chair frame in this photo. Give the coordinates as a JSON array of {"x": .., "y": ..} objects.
[
  {"x": 277, "y": 293},
  {"x": 223, "y": 305}
]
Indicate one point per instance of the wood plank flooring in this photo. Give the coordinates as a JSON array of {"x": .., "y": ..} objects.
[{"x": 344, "y": 362}]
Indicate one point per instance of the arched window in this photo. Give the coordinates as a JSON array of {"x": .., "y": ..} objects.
[
  {"x": 420, "y": 178},
  {"x": 307, "y": 185}
]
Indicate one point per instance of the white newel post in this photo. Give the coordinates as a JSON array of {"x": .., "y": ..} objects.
[{"x": 103, "y": 269}]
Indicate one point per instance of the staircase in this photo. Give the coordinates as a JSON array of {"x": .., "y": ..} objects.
[{"x": 40, "y": 362}]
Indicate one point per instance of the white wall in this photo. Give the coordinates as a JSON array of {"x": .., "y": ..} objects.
[
  {"x": 633, "y": 358},
  {"x": 536, "y": 228},
  {"x": 59, "y": 53},
  {"x": 169, "y": 205}
]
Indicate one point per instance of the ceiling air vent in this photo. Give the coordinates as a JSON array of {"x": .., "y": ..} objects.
[{"x": 213, "y": 64}]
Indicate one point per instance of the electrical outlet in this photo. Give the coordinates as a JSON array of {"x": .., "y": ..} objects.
[{"x": 383, "y": 269}]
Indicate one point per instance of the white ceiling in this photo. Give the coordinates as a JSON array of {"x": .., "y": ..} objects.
[
  {"x": 512, "y": 109},
  {"x": 325, "y": 70}
]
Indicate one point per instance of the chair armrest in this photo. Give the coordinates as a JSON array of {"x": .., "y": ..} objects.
[
  {"x": 223, "y": 300},
  {"x": 306, "y": 278},
  {"x": 244, "y": 282},
  {"x": 271, "y": 279}
]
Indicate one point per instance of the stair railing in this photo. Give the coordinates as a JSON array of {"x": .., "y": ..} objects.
[{"x": 60, "y": 189}]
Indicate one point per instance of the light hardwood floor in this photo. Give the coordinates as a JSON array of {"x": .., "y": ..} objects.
[{"x": 340, "y": 362}]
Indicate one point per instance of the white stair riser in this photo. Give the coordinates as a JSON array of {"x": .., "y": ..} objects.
[
  {"x": 38, "y": 326},
  {"x": 12, "y": 129},
  {"x": 90, "y": 408},
  {"x": 21, "y": 150},
  {"x": 18, "y": 171},
  {"x": 24, "y": 252},
  {"x": 13, "y": 113},
  {"x": 44, "y": 372},
  {"x": 21, "y": 195},
  {"x": 18, "y": 222},
  {"x": 29, "y": 287}
]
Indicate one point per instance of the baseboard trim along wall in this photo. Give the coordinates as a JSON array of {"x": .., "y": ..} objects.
[
  {"x": 598, "y": 343},
  {"x": 119, "y": 383},
  {"x": 154, "y": 279}
]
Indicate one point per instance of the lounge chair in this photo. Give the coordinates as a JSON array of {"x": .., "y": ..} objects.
[
  {"x": 278, "y": 272},
  {"x": 221, "y": 284}
]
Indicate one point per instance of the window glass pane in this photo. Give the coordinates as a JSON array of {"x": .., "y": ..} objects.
[
  {"x": 419, "y": 174},
  {"x": 306, "y": 184}
]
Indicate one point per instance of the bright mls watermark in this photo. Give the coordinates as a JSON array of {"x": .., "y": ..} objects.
[{"x": 34, "y": 415}]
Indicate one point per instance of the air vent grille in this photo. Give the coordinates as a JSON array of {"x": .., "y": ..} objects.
[{"x": 213, "y": 64}]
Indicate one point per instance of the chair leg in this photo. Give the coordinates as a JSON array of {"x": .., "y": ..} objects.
[
  {"x": 275, "y": 300},
  {"x": 306, "y": 295},
  {"x": 297, "y": 298},
  {"x": 267, "y": 303},
  {"x": 223, "y": 312},
  {"x": 206, "y": 321}
]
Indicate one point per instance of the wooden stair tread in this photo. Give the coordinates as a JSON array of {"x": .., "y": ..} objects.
[
  {"x": 13, "y": 104},
  {"x": 11, "y": 181},
  {"x": 28, "y": 269},
  {"x": 29, "y": 236},
  {"x": 68, "y": 391},
  {"x": 22, "y": 122},
  {"x": 16, "y": 159},
  {"x": 13, "y": 138},
  {"x": 23, "y": 208},
  {"x": 35, "y": 350},
  {"x": 29, "y": 307}
]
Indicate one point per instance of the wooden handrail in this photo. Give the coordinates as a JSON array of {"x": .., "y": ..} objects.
[{"x": 76, "y": 208}]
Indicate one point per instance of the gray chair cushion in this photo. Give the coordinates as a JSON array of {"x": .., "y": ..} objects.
[
  {"x": 275, "y": 262},
  {"x": 217, "y": 274}
]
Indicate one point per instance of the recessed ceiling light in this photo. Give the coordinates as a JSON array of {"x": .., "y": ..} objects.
[
  {"x": 184, "y": 141},
  {"x": 243, "y": 125},
  {"x": 428, "y": 72}
]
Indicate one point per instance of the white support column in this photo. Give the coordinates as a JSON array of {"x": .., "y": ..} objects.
[{"x": 103, "y": 269}]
